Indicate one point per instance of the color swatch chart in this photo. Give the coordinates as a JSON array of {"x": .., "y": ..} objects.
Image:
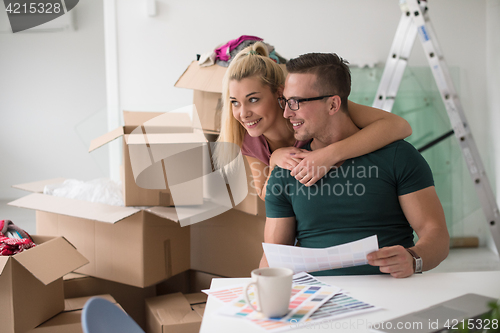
[
  {"x": 308, "y": 279},
  {"x": 304, "y": 301},
  {"x": 226, "y": 295},
  {"x": 339, "y": 306},
  {"x": 301, "y": 259}
]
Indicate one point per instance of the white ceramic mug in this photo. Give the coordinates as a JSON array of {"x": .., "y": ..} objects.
[{"x": 273, "y": 288}]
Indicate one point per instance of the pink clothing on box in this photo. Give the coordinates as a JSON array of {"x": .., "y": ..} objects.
[
  {"x": 258, "y": 147},
  {"x": 222, "y": 52}
]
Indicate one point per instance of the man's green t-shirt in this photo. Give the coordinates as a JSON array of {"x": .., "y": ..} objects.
[{"x": 354, "y": 201}]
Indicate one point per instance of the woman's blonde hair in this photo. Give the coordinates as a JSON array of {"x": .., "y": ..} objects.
[{"x": 251, "y": 61}]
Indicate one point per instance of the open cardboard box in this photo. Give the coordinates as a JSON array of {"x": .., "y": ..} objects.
[
  {"x": 31, "y": 285},
  {"x": 129, "y": 297},
  {"x": 149, "y": 138},
  {"x": 175, "y": 313},
  {"x": 70, "y": 320},
  {"x": 123, "y": 244},
  {"x": 141, "y": 247}
]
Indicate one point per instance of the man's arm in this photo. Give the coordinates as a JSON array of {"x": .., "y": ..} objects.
[
  {"x": 425, "y": 214},
  {"x": 278, "y": 231}
]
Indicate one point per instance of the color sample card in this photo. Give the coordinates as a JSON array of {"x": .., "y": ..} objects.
[
  {"x": 226, "y": 295},
  {"x": 308, "y": 279},
  {"x": 339, "y": 306},
  {"x": 302, "y": 259},
  {"x": 304, "y": 300}
]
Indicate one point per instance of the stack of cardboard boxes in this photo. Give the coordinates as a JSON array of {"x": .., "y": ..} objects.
[{"x": 140, "y": 256}]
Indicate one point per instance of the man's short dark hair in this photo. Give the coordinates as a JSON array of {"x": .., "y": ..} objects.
[{"x": 332, "y": 73}]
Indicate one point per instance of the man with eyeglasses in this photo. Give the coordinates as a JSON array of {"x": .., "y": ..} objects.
[{"x": 389, "y": 193}]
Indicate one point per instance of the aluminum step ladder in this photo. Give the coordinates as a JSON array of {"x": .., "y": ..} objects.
[{"x": 414, "y": 20}]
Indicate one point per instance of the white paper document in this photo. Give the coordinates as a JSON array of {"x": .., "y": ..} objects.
[{"x": 302, "y": 259}]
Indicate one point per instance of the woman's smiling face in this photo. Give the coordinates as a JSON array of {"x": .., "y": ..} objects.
[{"x": 254, "y": 105}]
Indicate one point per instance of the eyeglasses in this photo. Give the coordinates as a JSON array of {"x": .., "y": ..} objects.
[{"x": 293, "y": 103}]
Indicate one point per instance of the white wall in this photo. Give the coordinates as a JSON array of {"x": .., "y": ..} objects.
[
  {"x": 51, "y": 86},
  {"x": 154, "y": 51}
]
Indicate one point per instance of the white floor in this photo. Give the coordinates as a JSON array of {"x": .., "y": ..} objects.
[{"x": 459, "y": 260}]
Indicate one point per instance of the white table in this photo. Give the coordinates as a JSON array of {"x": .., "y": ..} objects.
[{"x": 396, "y": 296}]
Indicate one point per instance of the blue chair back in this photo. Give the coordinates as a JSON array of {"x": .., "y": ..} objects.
[{"x": 101, "y": 316}]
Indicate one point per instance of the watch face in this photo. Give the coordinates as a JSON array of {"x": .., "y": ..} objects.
[{"x": 418, "y": 265}]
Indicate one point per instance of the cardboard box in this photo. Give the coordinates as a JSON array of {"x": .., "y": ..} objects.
[
  {"x": 70, "y": 320},
  {"x": 150, "y": 138},
  {"x": 123, "y": 244},
  {"x": 31, "y": 285},
  {"x": 229, "y": 244},
  {"x": 252, "y": 204},
  {"x": 198, "y": 302},
  {"x": 130, "y": 298},
  {"x": 175, "y": 313},
  {"x": 187, "y": 282},
  {"x": 207, "y": 85}
]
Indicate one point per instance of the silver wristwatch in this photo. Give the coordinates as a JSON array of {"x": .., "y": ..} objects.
[{"x": 417, "y": 261}]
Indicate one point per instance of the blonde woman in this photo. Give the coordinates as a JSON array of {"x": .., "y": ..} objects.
[{"x": 253, "y": 120}]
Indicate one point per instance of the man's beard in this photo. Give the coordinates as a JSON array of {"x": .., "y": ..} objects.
[{"x": 303, "y": 136}]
